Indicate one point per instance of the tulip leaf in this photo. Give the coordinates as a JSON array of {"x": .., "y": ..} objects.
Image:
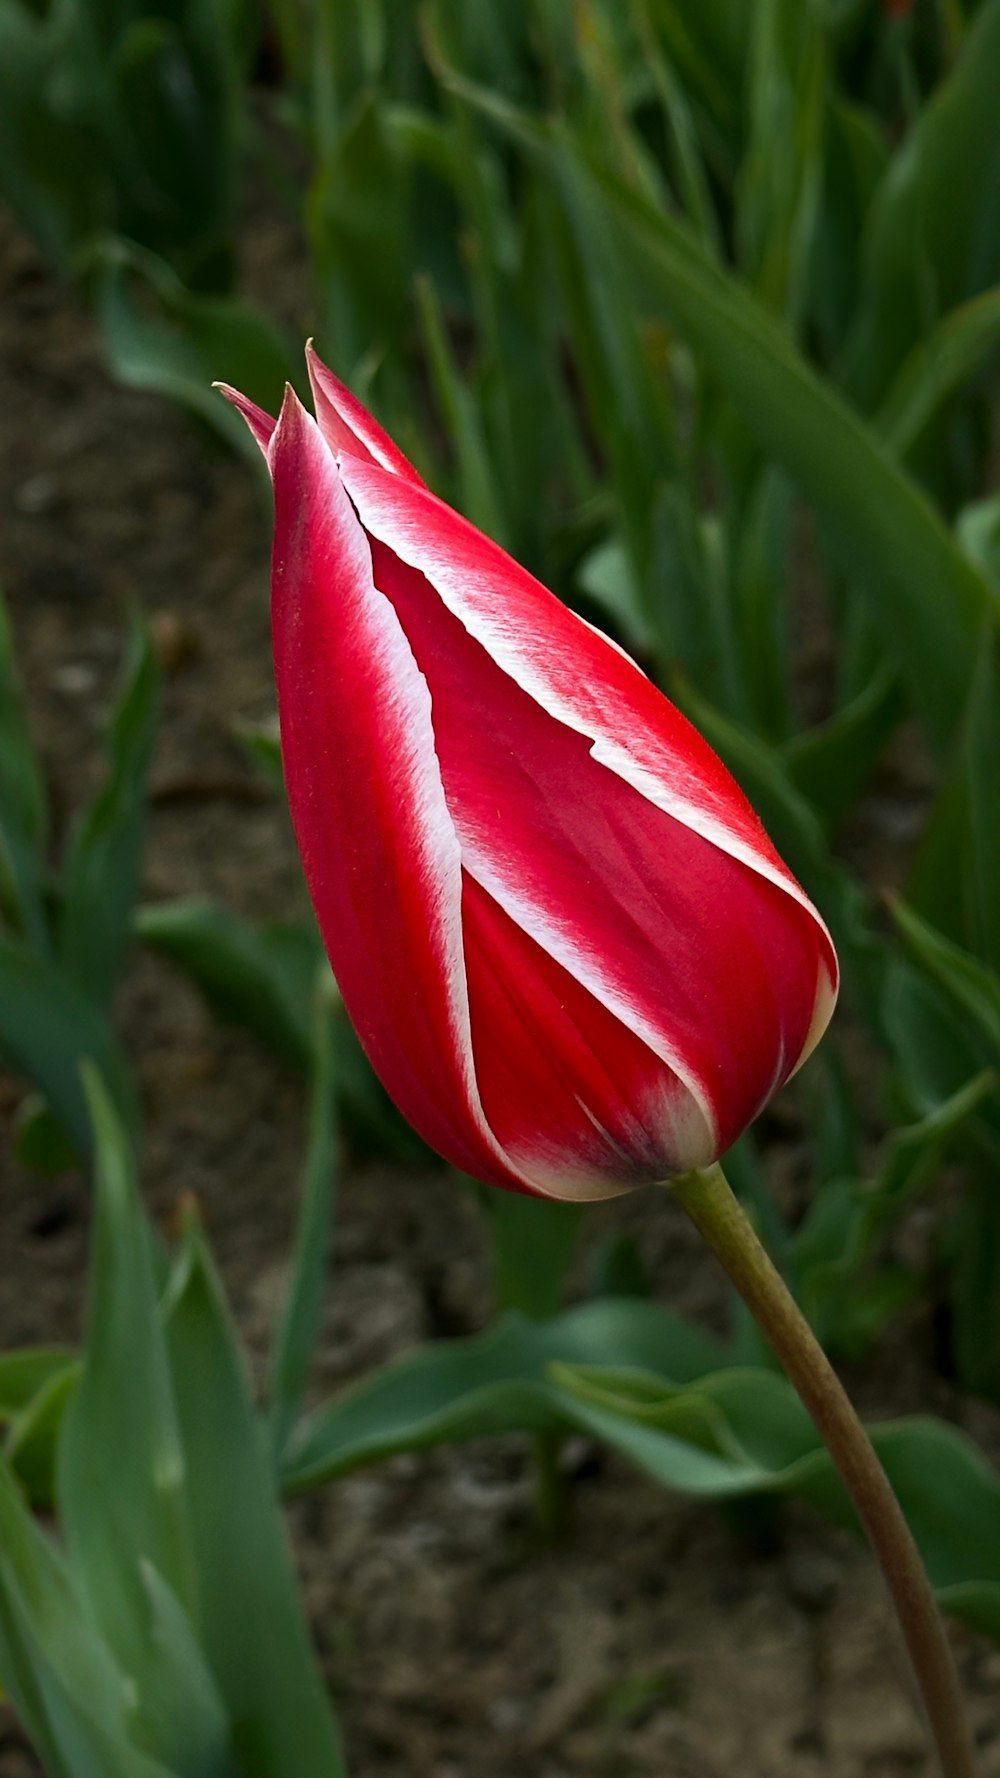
[
  {"x": 26, "y": 1372},
  {"x": 937, "y": 368},
  {"x": 970, "y": 985},
  {"x": 832, "y": 763},
  {"x": 492, "y": 1382},
  {"x": 100, "y": 877},
  {"x": 932, "y": 239},
  {"x": 74, "y": 1701},
  {"x": 532, "y": 1242},
  {"x": 258, "y": 977},
  {"x": 32, "y": 1442},
  {"x": 929, "y": 600},
  {"x": 954, "y": 879},
  {"x": 23, "y": 815},
  {"x": 295, "y": 1340},
  {"x": 847, "y": 1302},
  {"x": 760, "y": 1437},
  {"x": 48, "y": 1026},
  {"x": 120, "y": 1440},
  {"x": 163, "y": 338},
  {"x": 251, "y": 1627},
  {"x": 675, "y": 1407}
]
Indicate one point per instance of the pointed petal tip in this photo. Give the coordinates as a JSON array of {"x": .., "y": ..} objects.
[{"x": 261, "y": 424}]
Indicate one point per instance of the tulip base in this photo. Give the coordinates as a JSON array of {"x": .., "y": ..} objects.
[{"x": 709, "y": 1201}]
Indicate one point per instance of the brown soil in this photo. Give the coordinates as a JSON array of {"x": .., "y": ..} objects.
[{"x": 654, "y": 1641}]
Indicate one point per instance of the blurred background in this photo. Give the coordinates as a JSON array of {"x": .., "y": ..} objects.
[{"x": 695, "y": 308}]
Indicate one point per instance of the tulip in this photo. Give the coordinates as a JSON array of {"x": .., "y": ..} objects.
[{"x": 572, "y": 954}]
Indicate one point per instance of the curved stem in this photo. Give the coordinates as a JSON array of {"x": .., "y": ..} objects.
[{"x": 718, "y": 1216}]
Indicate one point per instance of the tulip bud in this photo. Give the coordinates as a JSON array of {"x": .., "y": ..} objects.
[{"x": 573, "y": 956}]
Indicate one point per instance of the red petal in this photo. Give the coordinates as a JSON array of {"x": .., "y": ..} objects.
[
  {"x": 570, "y": 670},
  {"x": 711, "y": 964},
  {"x": 347, "y": 426},
  {"x": 380, "y": 853},
  {"x": 260, "y": 423},
  {"x": 578, "y": 1100}
]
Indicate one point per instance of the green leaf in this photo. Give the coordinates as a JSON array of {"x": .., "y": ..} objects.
[
  {"x": 100, "y": 877},
  {"x": 675, "y": 1407},
  {"x": 532, "y": 1242},
  {"x": 954, "y": 879},
  {"x": 778, "y": 190},
  {"x": 26, "y": 1373},
  {"x": 846, "y": 1302},
  {"x": 929, "y": 600},
  {"x": 295, "y": 1339},
  {"x": 259, "y": 977},
  {"x": 74, "y": 1702},
  {"x": 40, "y": 1142},
  {"x": 162, "y": 338},
  {"x": 832, "y": 763},
  {"x": 121, "y": 1441},
  {"x": 47, "y": 1028},
  {"x": 33, "y": 1436},
  {"x": 973, "y": 989},
  {"x": 490, "y": 1383},
  {"x": 251, "y": 1627},
  {"x": 741, "y": 1431},
  {"x": 50, "y": 171},
  {"x": 937, "y": 368},
  {"x": 477, "y": 482},
  {"x": 932, "y": 238},
  {"x": 23, "y": 814}
]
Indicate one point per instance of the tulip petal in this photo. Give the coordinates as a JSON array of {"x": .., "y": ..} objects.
[
  {"x": 570, "y": 670},
  {"x": 575, "y": 1097},
  {"x": 714, "y": 967},
  {"x": 260, "y": 423},
  {"x": 349, "y": 427},
  {"x": 379, "y": 849}
]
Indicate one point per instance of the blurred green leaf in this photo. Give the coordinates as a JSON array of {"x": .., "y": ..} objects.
[
  {"x": 251, "y": 1628},
  {"x": 848, "y": 1304},
  {"x": 779, "y": 185},
  {"x": 73, "y": 1700},
  {"x": 33, "y": 1435},
  {"x": 100, "y": 876},
  {"x": 23, "y": 816},
  {"x": 162, "y": 338},
  {"x": 295, "y": 1338},
  {"x": 47, "y": 1027},
  {"x": 954, "y": 878},
  {"x": 970, "y": 985},
  {"x": 532, "y": 1243},
  {"x": 259, "y": 977},
  {"x": 26, "y": 1372},
  {"x": 832, "y": 763},
  {"x": 674, "y": 1407},
  {"x": 489, "y": 1383},
  {"x": 40, "y": 1142},
  {"x": 930, "y": 601},
  {"x": 120, "y": 1440},
  {"x": 49, "y": 173},
  {"x": 933, "y": 236},
  {"x": 741, "y": 1431},
  {"x": 938, "y": 367},
  {"x": 478, "y": 495}
]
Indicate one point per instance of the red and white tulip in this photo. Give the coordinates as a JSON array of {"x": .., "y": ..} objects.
[{"x": 572, "y": 954}]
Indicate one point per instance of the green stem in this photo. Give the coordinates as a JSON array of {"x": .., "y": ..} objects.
[{"x": 719, "y": 1217}]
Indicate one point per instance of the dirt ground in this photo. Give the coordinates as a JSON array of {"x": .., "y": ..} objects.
[{"x": 656, "y": 1640}]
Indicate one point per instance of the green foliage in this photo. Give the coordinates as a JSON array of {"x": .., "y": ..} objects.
[
  {"x": 165, "y": 1639},
  {"x": 64, "y": 935},
  {"x": 673, "y": 1402}
]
